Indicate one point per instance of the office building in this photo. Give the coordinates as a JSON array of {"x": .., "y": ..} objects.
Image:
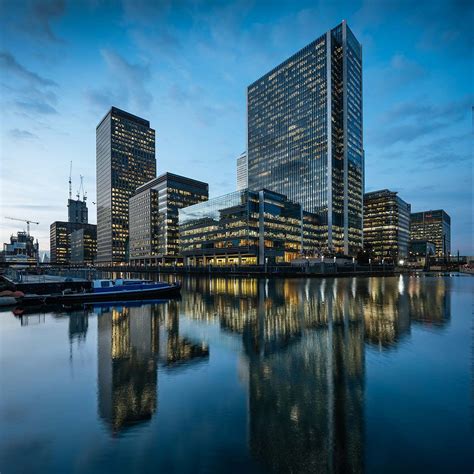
[
  {"x": 305, "y": 136},
  {"x": 77, "y": 211},
  {"x": 386, "y": 225},
  {"x": 434, "y": 226},
  {"x": 21, "y": 249},
  {"x": 246, "y": 228},
  {"x": 153, "y": 214},
  {"x": 84, "y": 245},
  {"x": 242, "y": 172},
  {"x": 125, "y": 152},
  {"x": 60, "y": 240}
]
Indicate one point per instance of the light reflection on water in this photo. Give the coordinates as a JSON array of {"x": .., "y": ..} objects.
[{"x": 251, "y": 375}]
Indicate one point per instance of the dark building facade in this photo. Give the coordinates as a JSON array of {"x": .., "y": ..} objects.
[
  {"x": 386, "y": 224},
  {"x": 154, "y": 215},
  {"x": 246, "y": 228},
  {"x": 84, "y": 245},
  {"x": 305, "y": 137},
  {"x": 125, "y": 153},
  {"x": 434, "y": 226},
  {"x": 60, "y": 240},
  {"x": 77, "y": 211}
]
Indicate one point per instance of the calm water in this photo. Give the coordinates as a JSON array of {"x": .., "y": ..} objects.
[{"x": 243, "y": 375}]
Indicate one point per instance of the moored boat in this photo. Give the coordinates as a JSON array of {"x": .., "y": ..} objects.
[{"x": 110, "y": 290}]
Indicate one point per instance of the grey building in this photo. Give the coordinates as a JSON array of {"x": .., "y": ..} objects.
[
  {"x": 386, "y": 224},
  {"x": 153, "y": 216},
  {"x": 84, "y": 245},
  {"x": 434, "y": 226},
  {"x": 305, "y": 135},
  {"x": 125, "y": 152},
  {"x": 242, "y": 172},
  {"x": 77, "y": 211}
]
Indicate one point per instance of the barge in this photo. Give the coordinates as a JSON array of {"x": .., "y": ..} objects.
[{"x": 108, "y": 290}]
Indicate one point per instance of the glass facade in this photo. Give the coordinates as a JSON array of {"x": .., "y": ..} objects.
[
  {"x": 125, "y": 151},
  {"x": 242, "y": 172},
  {"x": 386, "y": 225},
  {"x": 84, "y": 245},
  {"x": 246, "y": 228},
  {"x": 434, "y": 226},
  {"x": 154, "y": 214},
  {"x": 305, "y": 135}
]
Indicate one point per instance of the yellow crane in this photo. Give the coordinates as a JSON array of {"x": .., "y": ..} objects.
[{"x": 28, "y": 222}]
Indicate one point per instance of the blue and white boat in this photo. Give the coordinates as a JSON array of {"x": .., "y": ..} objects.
[{"x": 111, "y": 290}]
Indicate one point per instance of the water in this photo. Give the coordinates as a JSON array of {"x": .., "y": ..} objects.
[{"x": 245, "y": 375}]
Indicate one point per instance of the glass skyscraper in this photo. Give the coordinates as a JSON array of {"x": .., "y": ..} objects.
[
  {"x": 305, "y": 135},
  {"x": 125, "y": 151}
]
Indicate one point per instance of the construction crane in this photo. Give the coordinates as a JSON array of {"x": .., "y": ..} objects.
[
  {"x": 28, "y": 222},
  {"x": 70, "y": 181},
  {"x": 81, "y": 188}
]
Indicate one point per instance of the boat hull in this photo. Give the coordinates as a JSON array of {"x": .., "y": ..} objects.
[{"x": 170, "y": 291}]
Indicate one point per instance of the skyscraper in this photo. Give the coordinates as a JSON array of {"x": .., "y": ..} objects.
[
  {"x": 125, "y": 153},
  {"x": 242, "y": 172},
  {"x": 434, "y": 226},
  {"x": 305, "y": 135},
  {"x": 387, "y": 224}
]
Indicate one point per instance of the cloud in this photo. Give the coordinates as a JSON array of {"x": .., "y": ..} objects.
[
  {"x": 37, "y": 18},
  {"x": 16, "y": 133},
  {"x": 413, "y": 120},
  {"x": 12, "y": 67},
  {"x": 26, "y": 90},
  {"x": 131, "y": 80}
]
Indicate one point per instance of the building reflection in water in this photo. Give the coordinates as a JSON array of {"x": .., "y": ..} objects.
[
  {"x": 304, "y": 342},
  {"x": 132, "y": 342}
]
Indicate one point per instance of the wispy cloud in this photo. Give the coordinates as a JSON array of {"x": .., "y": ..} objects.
[
  {"x": 128, "y": 84},
  {"x": 13, "y": 68},
  {"x": 18, "y": 134},
  {"x": 37, "y": 17},
  {"x": 27, "y": 90}
]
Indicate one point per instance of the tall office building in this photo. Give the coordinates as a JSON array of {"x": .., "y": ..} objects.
[
  {"x": 154, "y": 216},
  {"x": 433, "y": 226},
  {"x": 305, "y": 135},
  {"x": 242, "y": 172},
  {"x": 387, "y": 224},
  {"x": 125, "y": 152}
]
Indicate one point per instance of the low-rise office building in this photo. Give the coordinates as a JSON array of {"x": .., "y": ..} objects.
[
  {"x": 386, "y": 225},
  {"x": 434, "y": 226},
  {"x": 153, "y": 216},
  {"x": 246, "y": 228},
  {"x": 21, "y": 249},
  {"x": 84, "y": 246}
]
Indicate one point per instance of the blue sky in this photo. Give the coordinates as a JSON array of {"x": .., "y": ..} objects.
[{"x": 185, "y": 66}]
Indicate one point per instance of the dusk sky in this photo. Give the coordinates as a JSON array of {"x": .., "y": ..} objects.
[{"x": 185, "y": 66}]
